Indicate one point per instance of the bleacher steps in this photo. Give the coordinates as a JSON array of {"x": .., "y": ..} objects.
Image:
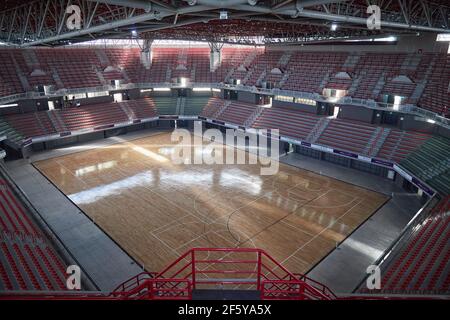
[
  {"x": 103, "y": 58},
  {"x": 284, "y": 79},
  {"x": 128, "y": 111},
  {"x": 249, "y": 122},
  {"x": 221, "y": 110},
  {"x": 352, "y": 60},
  {"x": 261, "y": 77},
  {"x": 324, "y": 82},
  {"x": 168, "y": 74},
  {"x": 411, "y": 62},
  {"x": 56, "y": 121},
  {"x": 318, "y": 129},
  {"x": 379, "y": 86},
  {"x": 56, "y": 78},
  {"x": 376, "y": 141},
  {"x": 23, "y": 79},
  {"x": 30, "y": 58},
  {"x": 100, "y": 76},
  {"x": 284, "y": 59},
  {"x": 229, "y": 74}
]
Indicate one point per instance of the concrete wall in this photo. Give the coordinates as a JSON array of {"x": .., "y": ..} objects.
[
  {"x": 356, "y": 113},
  {"x": 298, "y": 106},
  {"x": 246, "y": 97}
]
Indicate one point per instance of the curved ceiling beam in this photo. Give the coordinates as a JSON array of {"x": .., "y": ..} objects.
[
  {"x": 162, "y": 13},
  {"x": 137, "y": 4}
]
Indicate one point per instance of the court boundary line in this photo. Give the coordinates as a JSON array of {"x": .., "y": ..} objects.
[{"x": 282, "y": 163}]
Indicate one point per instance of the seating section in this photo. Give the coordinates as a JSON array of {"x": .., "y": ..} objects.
[
  {"x": 309, "y": 71},
  {"x": 139, "y": 109},
  {"x": 93, "y": 116},
  {"x": 31, "y": 124},
  {"x": 431, "y": 163},
  {"x": 27, "y": 259},
  {"x": 372, "y": 75},
  {"x": 193, "y": 106},
  {"x": 212, "y": 107},
  {"x": 291, "y": 122},
  {"x": 347, "y": 135},
  {"x": 436, "y": 96},
  {"x": 421, "y": 264},
  {"x": 399, "y": 144},
  {"x": 237, "y": 113},
  {"x": 166, "y": 105}
]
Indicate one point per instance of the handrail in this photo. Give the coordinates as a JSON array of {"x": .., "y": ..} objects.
[{"x": 166, "y": 284}]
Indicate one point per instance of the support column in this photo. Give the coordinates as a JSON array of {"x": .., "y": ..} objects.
[
  {"x": 215, "y": 57},
  {"x": 146, "y": 53}
]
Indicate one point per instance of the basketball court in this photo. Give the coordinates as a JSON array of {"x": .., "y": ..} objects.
[{"x": 156, "y": 210}]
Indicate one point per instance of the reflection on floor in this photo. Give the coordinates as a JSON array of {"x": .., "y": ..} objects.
[{"x": 157, "y": 210}]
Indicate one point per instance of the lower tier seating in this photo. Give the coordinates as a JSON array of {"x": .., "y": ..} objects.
[
  {"x": 347, "y": 135},
  {"x": 139, "y": 109},
  {"x": 166, "y": 105},
  {"x": 212, "y": 107},
  {"x": 431, "y": 162},
  {"x": 237, "y": 113},
  {"x": 194, "y": 105},
  {"x": 399, "y": 144},
  {"x": 27, "y": 259},
  {"x": 291, "y": 122},
  {"x": 422, "y": 263}
]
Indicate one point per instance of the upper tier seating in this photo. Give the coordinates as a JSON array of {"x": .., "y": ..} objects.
[
  {"x": 27, "y": 259},
  {"x": 291, "y": 122},
  {"x": 347, "y": 135},
  {"x": 308, "y": 71},
  {"x": 371, "y": 74},
  {"x": 421, "y": 263},
  {"x": 436, "y": 96},
  {"x": 399, "y": 144}
]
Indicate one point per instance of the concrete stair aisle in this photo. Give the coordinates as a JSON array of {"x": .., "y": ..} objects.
[
  {"x": 168, "y": 74},
  {"x": 261, "y": 77},
  {"x": 56, "y": 121},
  {"x": 221, "y": 110},
  {"x": 57, "y": 78},
  {"x": 10, "y": 133},
  {"x": 284, "y": 59},
  {"x": 128, "y": 111},
  {"x": 249, "y": 122},
  {"x": 318, "y": 129},
  {"x": 376, "y": 142},
  {"x": 23, "y": 79},
  {"x": 103, "y": 58},
  {"x": 324, "y": 82},
  {"x": 284, "y": 79},
  {"x": 100, "y": 76},
  {"x": 379, "y": 86},
  {"x": 31, "y": 59},
  {"x": 352, "y": 60}
]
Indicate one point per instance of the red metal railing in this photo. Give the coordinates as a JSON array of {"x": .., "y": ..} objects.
[{"x": 208, "y": 268}]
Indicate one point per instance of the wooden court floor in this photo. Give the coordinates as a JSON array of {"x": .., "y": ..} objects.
[{"x": 157, "y": 210}]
